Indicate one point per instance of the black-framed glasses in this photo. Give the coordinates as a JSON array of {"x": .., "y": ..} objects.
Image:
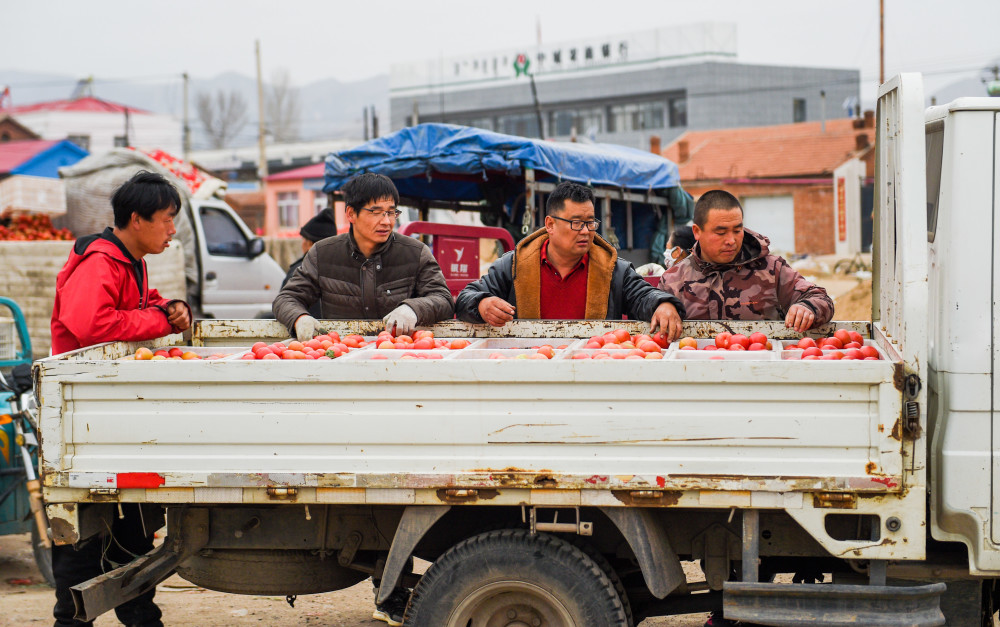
[
  {"x": 577, "y": 225},
  {"x": 378, "y": 214}
]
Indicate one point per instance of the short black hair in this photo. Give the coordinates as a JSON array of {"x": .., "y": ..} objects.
[
  {"x": 567, "y": 191},
  {"x": 368, "y": 187},
  {"x": 683, "y": 237},
  {"x": 143, "y": 194},
  {"x": 714, "y": 199}
]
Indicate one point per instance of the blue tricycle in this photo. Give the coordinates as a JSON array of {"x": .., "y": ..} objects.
[{"x": 21, "y": 508}]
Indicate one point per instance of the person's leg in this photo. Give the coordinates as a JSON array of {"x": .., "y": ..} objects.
[
  {"x": 72, "y": 566},
  {"x": 130, "y": 541}
]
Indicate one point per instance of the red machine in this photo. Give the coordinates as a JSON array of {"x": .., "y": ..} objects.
[{"x": 456, "y": 248}]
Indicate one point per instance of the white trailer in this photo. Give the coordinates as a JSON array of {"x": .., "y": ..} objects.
[{"x": 558, "y": 492}]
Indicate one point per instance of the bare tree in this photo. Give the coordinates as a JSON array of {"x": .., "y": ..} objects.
[
  {"x": 282, "y": 107},
  {"x": 223, "y": 115}
]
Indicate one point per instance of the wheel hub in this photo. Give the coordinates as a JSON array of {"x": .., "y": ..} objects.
[{"x": 511, "y": 604}]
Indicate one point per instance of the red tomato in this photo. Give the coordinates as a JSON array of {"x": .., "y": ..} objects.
[
  {"x": 740, "y": 339},
  {"x": 758, "y": 338},
  {"x": 722, "y": 340}
]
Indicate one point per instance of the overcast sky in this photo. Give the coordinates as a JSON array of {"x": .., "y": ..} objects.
[{"x": 350, "y": 40}]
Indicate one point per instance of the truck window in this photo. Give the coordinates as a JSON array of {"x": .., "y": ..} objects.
[
  {"x": 934, "y": 146},
  {"x": 222, "y": 235}
]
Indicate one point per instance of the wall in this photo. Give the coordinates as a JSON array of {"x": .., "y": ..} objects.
[
  {"x": 815, "y": 220},
  {"x": 146, "y": 130},
  {"x": 307, "y": 199}
]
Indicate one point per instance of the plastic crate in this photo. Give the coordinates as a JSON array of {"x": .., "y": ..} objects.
[{"x": 8, "y": 339}]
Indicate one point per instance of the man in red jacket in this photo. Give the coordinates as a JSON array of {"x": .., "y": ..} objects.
[{"x": 102, "y": 295}]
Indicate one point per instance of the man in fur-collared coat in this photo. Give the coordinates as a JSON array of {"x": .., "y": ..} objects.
[{"x": 566, "y": 271}]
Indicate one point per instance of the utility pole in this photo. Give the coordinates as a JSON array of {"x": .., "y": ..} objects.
[
  {"x": 127, "y": 143},
  {"x": 364, "y": 114},
  {"x": 374, "y": 123},
  {"x": 187, "y": 126},
  {"x": 881, "y": 41},
  {"x": 262, "y": 168}
]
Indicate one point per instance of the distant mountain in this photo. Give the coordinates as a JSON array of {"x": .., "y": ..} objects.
[{"x": 329, "y": 108}]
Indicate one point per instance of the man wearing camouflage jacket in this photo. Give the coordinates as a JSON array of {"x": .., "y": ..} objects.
[{"x": 730, "y": 275}]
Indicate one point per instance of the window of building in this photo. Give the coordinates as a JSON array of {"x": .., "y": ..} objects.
[
  {"x": 4, "y": 137},
  {"x": 288, "y": 209},
  {"x": 222, "y": 235},
  {"x": 678, "y": 111},
  {"x": 83, "y": 141},
  {"x": 636, "y": 116},
  {"x": 319, "y": 202},
  {"x": 798, "y": 110},
  {"x": 585, "y": 120},
  {"x": 522, "y": 124},
  {"x": 121, "y": 141}
]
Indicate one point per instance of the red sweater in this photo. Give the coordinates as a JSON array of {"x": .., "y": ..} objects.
[{"x": 99, "y": 298}]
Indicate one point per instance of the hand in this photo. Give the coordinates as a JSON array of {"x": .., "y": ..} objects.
[
  {"x": 178, "y": 315},
  {"x": 800, "y": 318},
  {"x": 496, "y": 311},
  {"x": 668, "y": 321},
  {"x": 401, "y": 320},
  {"x": 307, "y": 327}
]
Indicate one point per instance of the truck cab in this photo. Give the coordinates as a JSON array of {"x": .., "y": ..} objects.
[{"x": 236, "y": 277}]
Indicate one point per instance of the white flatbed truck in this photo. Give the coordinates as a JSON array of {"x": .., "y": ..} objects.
[{"x": 567, "y": 492}]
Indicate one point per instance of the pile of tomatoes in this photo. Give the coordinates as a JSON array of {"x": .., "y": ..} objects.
[{"x": 30, "y": 227}]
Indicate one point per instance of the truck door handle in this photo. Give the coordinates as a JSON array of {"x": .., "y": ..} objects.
[{"x": 210, "y": 276}]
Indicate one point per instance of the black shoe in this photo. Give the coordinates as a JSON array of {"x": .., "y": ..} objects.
[{"x": 391, "y": 612}]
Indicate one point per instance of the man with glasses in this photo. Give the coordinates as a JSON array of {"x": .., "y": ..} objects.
[
  {"x": 566, "y": 271},
  {"x": 368, "y": 272}
]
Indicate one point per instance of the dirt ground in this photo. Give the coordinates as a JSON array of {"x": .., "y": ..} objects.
[{"x": 25, "y": 599}]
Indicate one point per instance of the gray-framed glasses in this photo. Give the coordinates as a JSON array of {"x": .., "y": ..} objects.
[
  {"x": 577, "y": 225},
  {"x": 378, "y": 214}
]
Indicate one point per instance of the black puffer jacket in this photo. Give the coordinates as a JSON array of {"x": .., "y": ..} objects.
[{"x": 351, "y": 287}]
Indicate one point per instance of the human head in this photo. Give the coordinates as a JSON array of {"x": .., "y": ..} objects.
[
  {"x": 569, "y": 201},
  {"x": 718, "y": 226},
  {"x": 320, "y": 226},
  {"x": 144, "y": 209},
  {"x": 679, "y": 245},
  {"x": 364, "y": 194},
  {"x": 143, "y": 194}
]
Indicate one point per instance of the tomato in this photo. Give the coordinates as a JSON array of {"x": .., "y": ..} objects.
[
  {"x": 722, "y": 340},
  {"x": 842, "y": 335},
  {"x": 806, "y": 342},
  {"x": 685, "y": 342},
  {"x": 758, "y": 338},
  {"x": 740, "y": 339},
  {"x": 621, "y": 335}
]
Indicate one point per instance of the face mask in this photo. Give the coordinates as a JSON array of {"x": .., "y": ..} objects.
[{"x": 668, "y": 257}]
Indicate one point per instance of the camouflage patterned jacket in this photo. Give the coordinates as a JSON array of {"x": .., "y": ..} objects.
[{"x": 757, "y": 286}]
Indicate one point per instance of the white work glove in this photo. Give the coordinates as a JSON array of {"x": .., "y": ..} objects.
[
  {"x": 307, "y": 327},
  {"x": 403, "y": 319}
]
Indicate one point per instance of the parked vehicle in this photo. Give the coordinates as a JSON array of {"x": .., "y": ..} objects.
[
  {"x": 20, "y": 490},
  {"x": 567, "y": 491}
]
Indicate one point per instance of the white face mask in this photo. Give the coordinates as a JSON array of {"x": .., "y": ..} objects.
[{"x": 668, "y": 257}]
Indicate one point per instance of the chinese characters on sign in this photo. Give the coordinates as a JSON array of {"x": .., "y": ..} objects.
[{"x": 551, "y": 60}]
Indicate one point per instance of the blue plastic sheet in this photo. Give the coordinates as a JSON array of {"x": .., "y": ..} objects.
[{"x": 449, "y": 162}]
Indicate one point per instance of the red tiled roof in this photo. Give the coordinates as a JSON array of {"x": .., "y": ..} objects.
[
  {"x": 788, "y": 150},
  {"x": 88, "y": 103},
  {"x": 314, "y": 171},
  {"x": 14, "y": 153}
]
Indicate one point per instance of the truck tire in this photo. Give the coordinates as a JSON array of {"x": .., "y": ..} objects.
[
  {"x": 610, "y": 571},
  {"x": 43, "y": 556},
  {"x": 515, "y": 577},
  {"x": 267, "y": 572}
]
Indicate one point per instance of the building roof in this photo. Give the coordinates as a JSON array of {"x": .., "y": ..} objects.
[
  {"x": 787, "y": 150},
  {"x": 14, "y": 153},
  {"x": 9, "y": 120},
  {"x": 85, "y": 104},
  {"x": 314, "y": 171}
]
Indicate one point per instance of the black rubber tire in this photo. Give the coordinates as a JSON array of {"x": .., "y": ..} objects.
[
  {"x": 512, "y": 571},
  {"x": 268, "y": 572},
  {"x": 43, "y": 556},
  {"x": 609, "y": 570}
]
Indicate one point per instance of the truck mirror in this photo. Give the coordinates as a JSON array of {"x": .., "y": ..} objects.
[{"x": 256, "y": 248}]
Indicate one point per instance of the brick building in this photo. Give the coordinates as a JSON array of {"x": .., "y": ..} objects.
[{"x": 803, "y": 185}]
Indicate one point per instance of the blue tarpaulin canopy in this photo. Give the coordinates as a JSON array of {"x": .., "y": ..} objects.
[{"x": 449, "y": 162}]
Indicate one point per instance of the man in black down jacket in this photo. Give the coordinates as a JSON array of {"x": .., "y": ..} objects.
[
  {"x": 370, "y": 272},
  {"x": 566, "y": 271}
]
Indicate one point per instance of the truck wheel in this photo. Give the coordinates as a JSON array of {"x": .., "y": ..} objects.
[
  {"x": 43, "y": 556},
  {"x": 610, "y": 571},
  {"x": 267, "y": 572},
  {"x": 511, "y": 577}
]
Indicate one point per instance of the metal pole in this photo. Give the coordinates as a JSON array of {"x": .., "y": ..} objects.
[
  {"x": 538, "y": 107},
  {"x": 751, "y": 545},
  {"x": 187, "y": 125},
  {"x": 262, "y": 168}
]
